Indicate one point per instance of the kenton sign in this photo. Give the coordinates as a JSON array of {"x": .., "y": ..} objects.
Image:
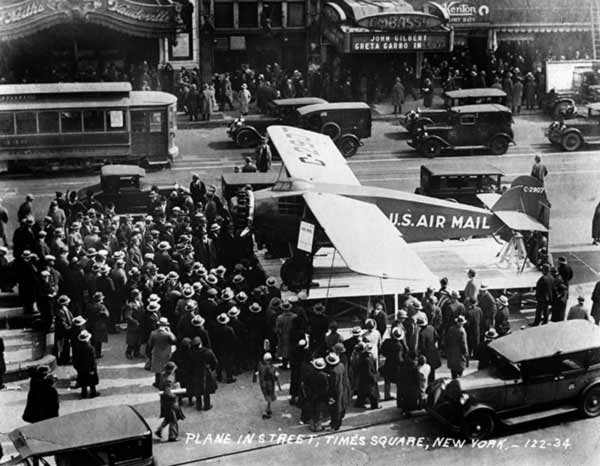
[
  {"x": 400, "y": 21},
  {"x": 459, "y": 11}
]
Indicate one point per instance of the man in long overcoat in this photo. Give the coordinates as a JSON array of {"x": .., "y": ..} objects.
[
  {"x": 62, "y": 329},
  {"x": 487, "y": 303},
  {"x": 134, "y": 316},
  {"x": 428, "y": 346},
  {"x": 317, "y": 392},
  {"x": 202, "y": 378},
  {"x": 225, "y": 343},
  {"x": 160, "y": 343},
  {"x": 457, "y": 350},
  {"x": 473, "y": 315},
  {"x": 596, "y": 303},
  {"x": 395, "y": 351},
  {"x": 339, "y": 390},
  {"x": 99, "y": 322},
  {"x": 283, "y": 326},
  {"x": 366, "y": 376},
  {"x": 84, "y": 362},
  {"x": 42, "y": 398}
]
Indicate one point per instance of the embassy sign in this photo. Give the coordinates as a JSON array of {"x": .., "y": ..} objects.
[{"x": 413, "y": 21}]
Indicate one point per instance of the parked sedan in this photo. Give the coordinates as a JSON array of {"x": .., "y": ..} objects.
[{"x": 573, "y": 134}]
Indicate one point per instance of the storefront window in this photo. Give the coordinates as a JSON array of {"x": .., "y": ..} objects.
[
  {"x": 274, "y": 13},
  {"x": 93, "y": 120},
  {"x": 248, "y": 14},
  {"x": 295, "y": 14},
  {"x": 223, "y": 15},
  {"x": 48, "y": 122},
  {"x": 70, "y": 122},
  {"x": 26, "y": 123},
  {"x": 7, "y": 124}
]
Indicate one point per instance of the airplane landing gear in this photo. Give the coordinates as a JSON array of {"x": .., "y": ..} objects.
[{"x": 296, "y": 272}]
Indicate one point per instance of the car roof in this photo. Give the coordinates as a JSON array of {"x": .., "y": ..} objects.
[
  {"x": 547, "y": 340},
  {"x": 477, "y": 92},
  {"x": 461, "y": 168},
  {"x": 143, "y": 98},
  {"x": 300, "y": 101},
  {"x": 480, "y": 108},
  {"x": 333, "y": 106},
  {"x": 122, "y": 170},
  {"x": 79, "y": 430}
]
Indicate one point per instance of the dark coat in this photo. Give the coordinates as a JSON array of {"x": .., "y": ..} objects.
[
  {"x": 182, "y": 357},
  {"x": 487, "y": 303},
  {"x": 339, "y": 388},
  {"x": 84, "y": 362},
  {"x": 42, "y": 400},
  {"x": 381, "y": 321},
  {"x": 428, "y": 340},
  {"x": 456, "y": 347},
  {"x": 63, "y": 322},
  {"x": 596, "y": 302},
  {"x": 366, "y": 375},
  {"x": 395, "y": 353},
  {"x": 596, "y": 223},
  {"x": 502, "y": 325},
  {"x": 543, "y": 289},
  {"x": 473, "y": 327},
  {"x": 134, "y": 316},
  {"x": 99, "y": 319},
  {"x": 202, "y": 378}
]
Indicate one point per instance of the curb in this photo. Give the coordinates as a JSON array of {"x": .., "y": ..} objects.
[{"x": 20, "y": 371}]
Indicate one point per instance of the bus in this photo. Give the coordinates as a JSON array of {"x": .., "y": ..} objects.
[{"x": 46, "y": 127}]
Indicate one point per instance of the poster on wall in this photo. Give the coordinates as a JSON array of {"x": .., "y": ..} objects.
[{"x": 181, "y": 47}]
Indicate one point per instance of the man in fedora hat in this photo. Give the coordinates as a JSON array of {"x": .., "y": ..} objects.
[
  {"x": 84, "y": 362},
  {"x": 63, "y": 324},
  {"x": 457, "y": 349},
  {"x": 106, "y": 286},
  {"x": 366, "y": 378},
  {"x": 473, "y": 315},
  {"x": 428, "y": 346},
  {"x": 564, "y": 270},
  {"x": 353, "y": 340},
  {"x": 380, "y": 317},
  {"x": 316, "y": 386},
  {"x": 203, "y": 381},
  {"x": 487, "y": 303},
  {"x": 99, "y": 322},
  {"x": 241, "y": 361},
  {"x": 543, "y": 295},
  {"x": 159, "y": 344},
  {"x": 395, "y": 352},
  {"x": 339, "y": 390},
  {"x": 319, "y": 324},
  {"x": 42, "y": 398},
  {"x": 579, "y": 311},
  {"x": 225, "y": 344},
  {"x": 267, "y": 377},
  {"x": 283, "y": 327},
  {"x": 483, "y": 354},
  {"x": 502, "y": 324},
  {"x": 134, "y": 317}
]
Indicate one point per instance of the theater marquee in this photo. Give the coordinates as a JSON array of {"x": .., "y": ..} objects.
[{"x": 410, "y": 42}]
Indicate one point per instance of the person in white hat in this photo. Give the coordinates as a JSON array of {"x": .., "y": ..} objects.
[
  {"x": 474, "y": 316},
  {"x": 395, "y": 351},
  {"x": 134, "y": 316},
  {"x": 351, "y": 342},
  {"x": 317, "y": 391},
  {"x": 99, "y": 322},
  {"x": 487, "y": 303},
  {"x": 267, "y": 377},
  {"x": 501, "y": 323},
  {"x": 63, "y": 324},
  {"x": 283, "y": 328},
  {"x": 84, "y": 362},
  {"x": 371, "y": 335},
  {"x": 457, "y": 349},
  {"x": 226, "y": 343},
  {"x": 339, "y": 390},
  {"x": 484, "y": 354},
  {"x": 366, "y": 377},
  {"x": 429, "y": 341},
  {"x": 159, "y": 345}
]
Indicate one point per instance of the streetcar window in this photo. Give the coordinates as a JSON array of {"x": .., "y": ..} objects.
[
  {"x": 138, "y": 122},
  {"x": 93, "y": 120},
  {"x": 70, "y": 122},
  {"x": 155, "y": 122},
  {"x": 116, "y": 120},
  {"x": 26, "y": 123},
  {"x": 48, "y": 122},
  {"x": 7, "y": 123}
]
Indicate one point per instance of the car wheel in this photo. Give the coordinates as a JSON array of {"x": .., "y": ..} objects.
[
  {"x": 590, "y": 403},
  {"x": 332, "y": 130},
  {"x": 478, "y": 425},
  {"x": 499, "y": 145},
  {"x": 348, "y": 146},
  {"x": 431, "y": 148},
  {"x": 246, "y": 138},
  {"x": 571, "y": 142}
]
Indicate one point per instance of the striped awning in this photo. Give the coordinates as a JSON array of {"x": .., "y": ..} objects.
[{"x": 542, "y": 27}]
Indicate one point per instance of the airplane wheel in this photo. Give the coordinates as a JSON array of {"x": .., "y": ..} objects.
[
  {"x": 246, "y": 138},
  {"x": 571, "y": 142},
  {"x": 431, "y": 148},
  {"x": 590, "y": 403},
  {"x": 348, "y": 146},
  {"x": 478, "y": 425},
  {"x": 499, "y": 145}
]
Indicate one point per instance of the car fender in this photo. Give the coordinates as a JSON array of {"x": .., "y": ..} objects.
[
  {"x": 505, "y": 135},
  {"x": 246, "y": 127},
  {"x": 594, "y": 383},
  {"x": 479, "y": 407},
  {"x": 568, "y": 130},
  {"x": 351, "y": 136},
  {"x": 441, "y": 140}
]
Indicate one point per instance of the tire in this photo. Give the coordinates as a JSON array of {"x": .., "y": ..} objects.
[
  {"x": 348, "y": 146},
  {"x": 246, "y": 138},
  {"x": 431, "y": 148},
  {"x": 590, "y": 402},
  {"x": 478, "y": 425},
  {"x": 499, "y": 145},
  {"x": 571, "y": 142},
  {"x": 332, "y": 130}
]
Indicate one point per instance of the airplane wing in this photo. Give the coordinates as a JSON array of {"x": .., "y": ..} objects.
[
  {"x": 366, "y": 239},
  {"x": 520, "y": 221},
  {"x": 311, "y": 156},
  {"x": 489, "y": 199}
]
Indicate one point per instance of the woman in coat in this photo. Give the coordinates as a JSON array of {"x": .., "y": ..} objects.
[
  {"x": 85, "y": 364},
  {"x": 203, "y": 381},
  {"x": 427, "y": 92},
  {"x": 160, "y": 343},
  {"x": 267, "y": 376},
  {"x": 517, "y": 95},
  {"x": 42, "y": 398},
  {"x": 244, "y": 97}
]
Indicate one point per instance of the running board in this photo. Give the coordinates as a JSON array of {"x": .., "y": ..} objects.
[{"x": 539, "y": 415}]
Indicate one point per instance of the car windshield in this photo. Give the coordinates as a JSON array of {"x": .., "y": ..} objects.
[{"x": 503, "y": 368}]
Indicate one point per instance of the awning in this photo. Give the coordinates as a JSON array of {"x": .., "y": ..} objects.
[
  {"x": 145, "y": 18},
  {"x": 541, "y": 27}
]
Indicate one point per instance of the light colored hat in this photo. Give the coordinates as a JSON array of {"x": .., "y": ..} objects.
[
  {"x": 223, "y": 319},
  {"x": 163, "y": 322},
  {"x": 491, "y": 334},
  {"x": 319, "y": 308},
  {"x": 233, "y": 312},
  {"x": 339, "y": 348},
  {"x": 460, "y": 319},
  {"x": 84, "y": 336},
  {"x": 49, "y": 257},
  {"x": 303, "y": 343},
  {"x": 397, "y": 333},
  {"x": 241, "y": 297},
  {"x": 154, "y": 298},
  {"x": 188, "y": 291},
  {"x": 91, "y": 252},
  {"x": 227, "y": 294},
  {"x": 402, "y": 314},
  {"x": 173, "y": 275},
  {"x": 267, "y": 357},
  {"x": 45, "y": 273},
  {"x": 356, "y": 331},
  {"x": 255, "y": 308},
  {"x": 198, "y": 321},
  {"x": 238, "y": 278},
  {"x": 164, "y": 246},
  {"x": 215, "y": 227},
  {"x": 221, "y": 270},
  {"x": 332, "y": 359},
  {"x": 98, "y": 296},
  {"x": 63, "y": 300},
  {"x": 103, "y": 253},
  {"x": 422, "y": 321},
  {"x": 454, "y": 294},
  {"x": 197, "y": 286},
  {"x": 212, "y": 280},
  {"x": 302, "y": 296},
  {"x": 153, "y": 307},
  {"x": 318, "y": 363},
  {"x": 503, "y": 300},
  {"x": 79, "y": 321},
  {"x": 271, "y": 281}
]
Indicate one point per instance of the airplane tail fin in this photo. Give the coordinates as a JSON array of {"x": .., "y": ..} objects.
[{"x": 523, "y": 207}]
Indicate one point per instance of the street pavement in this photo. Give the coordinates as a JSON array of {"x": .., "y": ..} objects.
[{"x": 385, "y": 160}]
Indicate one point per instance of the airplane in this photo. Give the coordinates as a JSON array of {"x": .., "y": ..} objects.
[{"x": 371, "y": 227}]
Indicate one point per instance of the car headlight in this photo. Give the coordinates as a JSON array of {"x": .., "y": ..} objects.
[{"x": 464, "y": 399}]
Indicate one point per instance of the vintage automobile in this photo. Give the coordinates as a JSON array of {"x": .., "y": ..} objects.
[
  {"x": 111, "y": 435},
  {"x": 573, "y": 134},
  {"x": 461, "y": 182},
  {"x": 347, "y": 123},
  {"x": 247, "y": 132},
  {"x": 123, "y": 185},
  {"x": 534, "y": 373},
  {"x": 482, "y": 126},
  {"x": 416, "y": 119}
]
